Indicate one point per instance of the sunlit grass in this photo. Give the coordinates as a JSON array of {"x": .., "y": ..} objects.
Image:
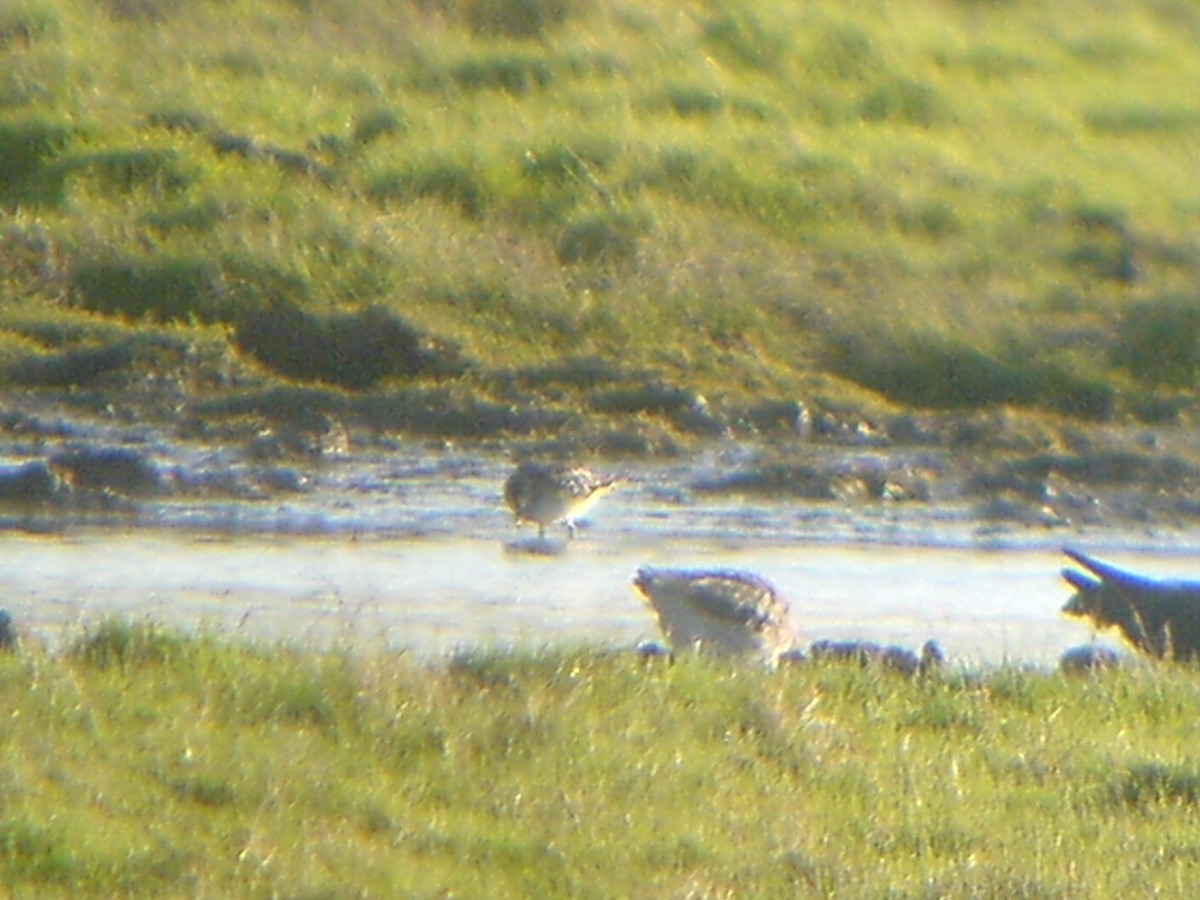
[
  {"x": 142, "y": 760},
  {"x": 728, "y": 196}
]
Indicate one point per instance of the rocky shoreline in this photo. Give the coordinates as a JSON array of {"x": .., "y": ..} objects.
[{"x": 63, "y": 459}]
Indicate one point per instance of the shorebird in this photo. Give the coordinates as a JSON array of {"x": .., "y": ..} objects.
[
  {"x": 724, "y": 613},
  {"x": 1159, "y": 618},
  {"x": 547, "y": 493}
]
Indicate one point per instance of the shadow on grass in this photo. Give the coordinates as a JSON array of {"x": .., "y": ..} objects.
[
  {"x": 125, "y": 170},
  {"x": 453, "y": 184},
  {"x": 121, "y": 644},
  {"x": 28, "y": 174},
  {"x": 1160, "y": 341},
  {"x": 520, "y": 18},
  {"x": 931, "y": 373},
  {"x": 73, "y": 368},
  {"x": 165, "y": 290},
  {"x": 1155, "y": 783},
  {"x": 512, "y": 73},
  {"x": 352, "y": 350},
  {"x": 427, "y": 411},
  {"x": 604, "y": 239}
]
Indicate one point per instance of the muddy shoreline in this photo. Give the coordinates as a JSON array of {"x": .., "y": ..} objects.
[
  {"x": 337, "y": 533},
  {"x": 65, "y": 463}
]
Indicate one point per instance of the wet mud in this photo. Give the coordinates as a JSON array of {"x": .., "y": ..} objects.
[{"x": 329, "y": 533}]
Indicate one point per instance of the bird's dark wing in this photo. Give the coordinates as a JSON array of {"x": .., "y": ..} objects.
[
  {"x": 737, "y": 600},
  {"x": 1079, "y": 580},
  {"x": 1122, "y": 579},
  {"x": 1108, "y": 573}
]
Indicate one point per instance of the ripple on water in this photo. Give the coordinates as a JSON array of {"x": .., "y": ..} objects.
[
  {"x": 433, "y": 595},
  {"x": 412, "y": 551}
]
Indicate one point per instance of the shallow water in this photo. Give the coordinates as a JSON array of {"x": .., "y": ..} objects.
[{"x": 415, "y": 552}]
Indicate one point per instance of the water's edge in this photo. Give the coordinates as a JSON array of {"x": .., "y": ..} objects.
[
  {"x": 406, "y": 549},
  {"x": 431, "y": 596}
]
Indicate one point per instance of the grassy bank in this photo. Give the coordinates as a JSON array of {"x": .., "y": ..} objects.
[
  {"x": 542, "y": 213},
  {"x": 143, "y": 762}
]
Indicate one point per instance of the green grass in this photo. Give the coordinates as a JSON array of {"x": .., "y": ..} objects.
[
  {"x": 141, "y": 761},
  {"x": 954, "y": 205}
]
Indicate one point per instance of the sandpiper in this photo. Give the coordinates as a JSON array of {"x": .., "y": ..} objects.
[
  {"x": 725, "y": 613},
  {"x": 547, "y": 493}
]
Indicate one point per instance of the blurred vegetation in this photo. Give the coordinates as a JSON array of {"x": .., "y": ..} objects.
[
  {"x": 878, "y": 206},
  {"x": 141, "y": 761}
]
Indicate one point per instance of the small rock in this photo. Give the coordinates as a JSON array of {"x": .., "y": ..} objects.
[
  {"x": 793, "y": 657},
  {"x": 117, "y": 469},
  {"x": 1088, "y": 658},
  {"x": 34, "y": 482},
  {"x": 887, "y": 656},
  {"x": 650, "y": 650}
]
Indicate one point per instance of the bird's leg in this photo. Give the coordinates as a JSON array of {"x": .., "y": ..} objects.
[
  {"x": 541, "y": 532},
  {"x": 570, "y": 530}
]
